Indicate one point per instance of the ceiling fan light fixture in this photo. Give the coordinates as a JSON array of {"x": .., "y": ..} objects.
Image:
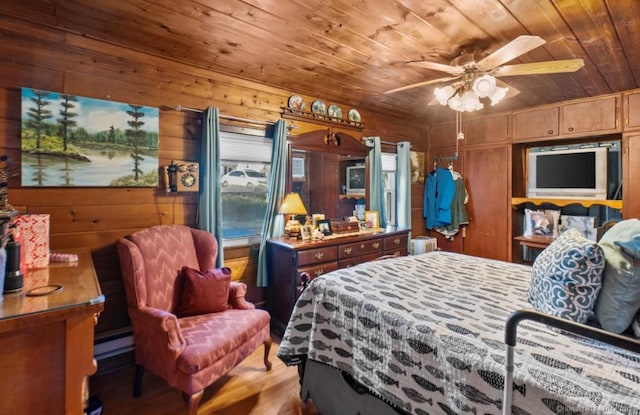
[
  {"x": 498, "y": 94},
  {"x": 484, "y": 85},
  {"x": 455, "y": 103},
  {"x": 443, "y": 94},
  {"x": 471, "y": 101}
]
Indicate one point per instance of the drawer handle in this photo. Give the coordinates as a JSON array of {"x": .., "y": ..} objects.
[
  {"x": 396, "y": 241},
  {"x": 570, "y": 128},
  {"x": 318, "y": 272},
  {"x": 319, "y": 255},
  {"x": 376, "y": 245},
  {"x": 361, "y": 246},
  {"x": 347, "y": 250},
  {"x": 550, "y": 132}
]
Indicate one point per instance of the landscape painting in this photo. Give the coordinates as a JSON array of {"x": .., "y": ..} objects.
[{"x": 67, "y": 140}]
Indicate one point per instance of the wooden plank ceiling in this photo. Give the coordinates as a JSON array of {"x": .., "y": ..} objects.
[{"x": 352, "y": 51}]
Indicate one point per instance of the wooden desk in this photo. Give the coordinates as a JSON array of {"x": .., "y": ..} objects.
[{"x": 46, "y": 343}]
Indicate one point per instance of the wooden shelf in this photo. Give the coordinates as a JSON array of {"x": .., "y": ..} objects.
[
  {"x": 536, "y": 241},
  {"x": 323, "y": 119},
  {"x": 354, "y": 197},
  {"x": 615, "y": 204}
]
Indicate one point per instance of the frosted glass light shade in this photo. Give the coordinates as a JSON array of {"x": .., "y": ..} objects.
[
  {"x": 498, "y": 94},
  {"x": 443, "y": 94},
  {"x": 470, "y": 101},
  {"x": 484, "y": 85}
]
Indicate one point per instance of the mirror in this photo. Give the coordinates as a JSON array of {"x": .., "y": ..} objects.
[{"x": 321, "y": 163}]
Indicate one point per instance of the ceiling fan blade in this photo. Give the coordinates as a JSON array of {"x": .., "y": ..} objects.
[
  {"x": 512, "y": 92},
  {"x": 535, "y": 68},
  {"x": 518, "y": 46},
  {"x": 419, "y": 84},
  {"x": 453, "y": 70}
]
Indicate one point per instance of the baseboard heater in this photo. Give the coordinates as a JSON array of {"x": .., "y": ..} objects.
[{"x": 112, "y": 346}]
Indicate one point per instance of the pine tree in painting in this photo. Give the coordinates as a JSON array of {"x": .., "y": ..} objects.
[
  {"x": 135, "y": 138},
  {"x": 66, "y": 120},
  {"x": 38, "y": 114}
]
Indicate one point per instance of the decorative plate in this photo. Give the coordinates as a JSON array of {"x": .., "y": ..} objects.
[
  {"x": 297, "y": 103},
  {"x": 318, "y": 107},
  {"x": 353, "y": 115},
  {"x": 334, "y": 111}
]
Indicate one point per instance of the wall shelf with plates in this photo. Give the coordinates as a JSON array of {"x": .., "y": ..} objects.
[{"x": 290, "y": 113}]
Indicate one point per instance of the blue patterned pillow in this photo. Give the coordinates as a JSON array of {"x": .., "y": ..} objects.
[{"x": 567, "y": 277}]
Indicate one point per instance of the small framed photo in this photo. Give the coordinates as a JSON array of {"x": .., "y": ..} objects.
[
  {"x": 324, "y": 225},
  {"x": 372, "y": 219},
  {"x": 305, "y": 232}
]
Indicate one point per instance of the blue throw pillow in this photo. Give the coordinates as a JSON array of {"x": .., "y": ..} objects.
[
  {"x": 566, "y": 277},
  {"x": 620, "y": 297}
]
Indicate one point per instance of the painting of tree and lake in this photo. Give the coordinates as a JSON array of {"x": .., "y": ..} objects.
[{"x": 67, "y": 140}]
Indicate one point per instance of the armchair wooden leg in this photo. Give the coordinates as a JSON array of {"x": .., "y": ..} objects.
[
  {"x": 192, "y": 401},
  {"x": 137, "y": 381},
  {"x": 267, "y": 348}
]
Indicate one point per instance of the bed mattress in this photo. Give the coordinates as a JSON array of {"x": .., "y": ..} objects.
[{"x": 425, "y": 333}]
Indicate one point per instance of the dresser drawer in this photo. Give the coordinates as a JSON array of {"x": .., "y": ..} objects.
[
  {"x": 316, "y": 270},
  {"x": 317, "y": 256},
  {"x": 313, "y": 271},
  {"x": 359, "y": 248},
  {"x": 394, "y": 242},
  {"x": 397, "y": 251},
  {"x": 349, "y": 262}
]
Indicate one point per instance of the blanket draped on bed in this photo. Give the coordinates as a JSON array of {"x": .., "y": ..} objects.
[{"x": 426, "y": 334}]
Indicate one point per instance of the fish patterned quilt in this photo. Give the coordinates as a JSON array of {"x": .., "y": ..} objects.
[{"x": 426, "y": 334}]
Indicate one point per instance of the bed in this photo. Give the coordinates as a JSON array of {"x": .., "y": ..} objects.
[{"x": 424, "y": 334}]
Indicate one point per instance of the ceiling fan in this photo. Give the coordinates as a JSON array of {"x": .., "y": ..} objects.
[{"x": 477, "y": 79}]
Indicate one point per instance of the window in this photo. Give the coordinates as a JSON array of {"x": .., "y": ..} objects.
[
  {"x": 389, "y": 170},
  {"x": 245, "y": 161}
]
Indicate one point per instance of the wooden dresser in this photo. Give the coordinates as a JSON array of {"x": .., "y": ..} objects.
[
  {"x": 46, "y": 342},
  {"x": 288, "y": 258}
]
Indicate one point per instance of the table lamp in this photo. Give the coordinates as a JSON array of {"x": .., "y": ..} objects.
[{"x": 292, "y": 205}]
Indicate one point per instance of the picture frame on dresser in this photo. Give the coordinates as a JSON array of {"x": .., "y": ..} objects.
[
  {"x": 372, "y": 219},
  {"x": 325, "y": 226},
  {"x": 305, "y": 232}
]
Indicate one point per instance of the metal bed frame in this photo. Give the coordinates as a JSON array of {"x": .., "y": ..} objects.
[{"x": 511, "y": 334}]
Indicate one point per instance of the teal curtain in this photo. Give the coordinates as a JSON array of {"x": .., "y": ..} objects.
[
  {"x": 210, "y": 208},
  {"x": 403, "y": 186},
  {"x": 273, "y": 223},
  {"x": 376, "y": 181}
]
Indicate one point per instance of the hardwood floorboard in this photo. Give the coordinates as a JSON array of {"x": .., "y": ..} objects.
[{"x": 246, "y": 390}]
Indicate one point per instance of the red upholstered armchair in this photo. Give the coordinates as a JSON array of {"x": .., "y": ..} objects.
[{"x": 191, "y": 352}]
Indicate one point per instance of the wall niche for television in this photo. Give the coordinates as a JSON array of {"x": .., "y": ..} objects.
[{"x": 585, "y": 170}]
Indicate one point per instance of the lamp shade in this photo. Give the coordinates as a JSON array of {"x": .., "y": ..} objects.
[
  {"x": 292, "y": 205},
  {"x": 484, "y": 85}
]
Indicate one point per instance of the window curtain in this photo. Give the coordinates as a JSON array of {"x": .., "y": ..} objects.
[
  {"x": 376, "y": 181},
  {"x": 210, "y": 208},
  {"x": 273, "y": 223},
  {"x": 403, "y": 186}
]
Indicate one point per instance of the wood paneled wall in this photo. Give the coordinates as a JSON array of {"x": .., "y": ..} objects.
[{"x": 37, "y": 56}]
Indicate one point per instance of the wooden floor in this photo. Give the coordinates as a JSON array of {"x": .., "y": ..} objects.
[{"x": 246, "y": 390}]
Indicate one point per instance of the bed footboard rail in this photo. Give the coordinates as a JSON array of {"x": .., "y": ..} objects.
[{"x": 511, "y": 334}]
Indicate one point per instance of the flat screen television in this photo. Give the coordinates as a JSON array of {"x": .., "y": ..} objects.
[
  {"x": 568, "y": 173},
  {"x": 356, "y": 180}
]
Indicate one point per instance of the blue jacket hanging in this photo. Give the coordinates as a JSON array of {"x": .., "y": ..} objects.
[{"x": 439, "y": 191}]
